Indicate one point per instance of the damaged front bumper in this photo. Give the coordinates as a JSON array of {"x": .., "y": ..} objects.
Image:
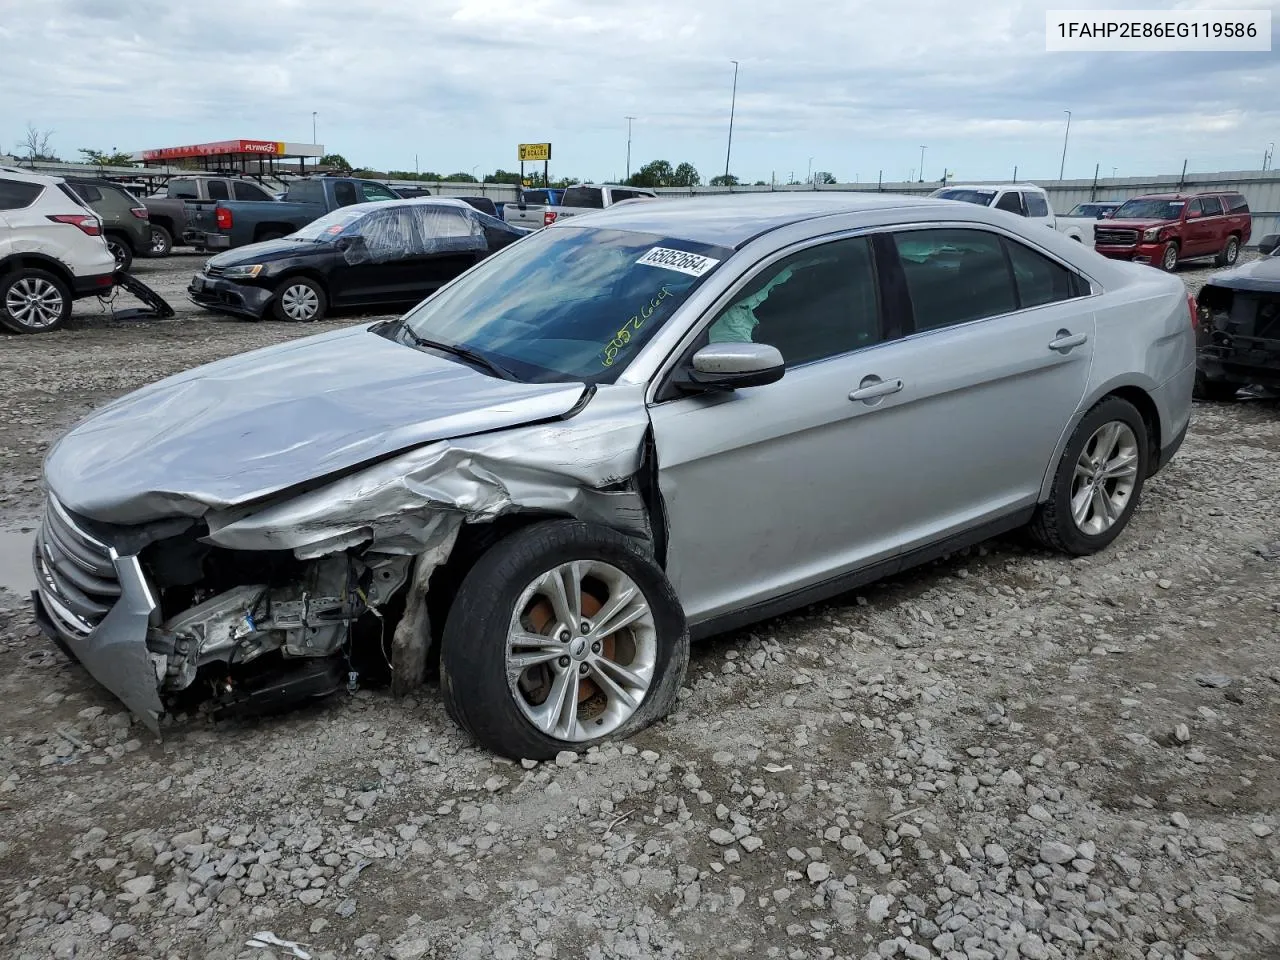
[{"x": 97, "y": 606}]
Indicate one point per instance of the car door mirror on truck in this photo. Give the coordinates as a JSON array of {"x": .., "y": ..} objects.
[{"x": 729, "y": 366}]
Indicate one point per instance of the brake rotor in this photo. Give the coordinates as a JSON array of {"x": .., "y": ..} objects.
[{"x": 542, "y": 618}]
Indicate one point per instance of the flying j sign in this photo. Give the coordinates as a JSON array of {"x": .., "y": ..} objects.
[{"x": 266, "y": 148}]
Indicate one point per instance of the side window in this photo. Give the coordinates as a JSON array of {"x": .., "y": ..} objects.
[
  {"x": 308, "y": 191},
  {"x": 1037, "y": 206},
  {"x": 954, "y": 276},
  {"x": 1010, "y": 200},
  {"x": 1038, "y": 279},
  {"x": 618, "y": 195},
  {"x": 818, "y": 303},
  {"x": 87, "y": 193},
  {"x": 243, "y": 190},
  {"x": 183, "y": 190},
  {"x": 344, "y": 193},
  {"x": 1195, "y": 208},
  {"x": 376, "y": 191},
  {"x": 1212, "y": 206},
  {"x": 218, "y": 190},
  {"x": 16, "y": 194},
  {"x": 1237, "y": 203}
]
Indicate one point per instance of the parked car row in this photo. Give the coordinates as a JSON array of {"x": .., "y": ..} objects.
[{"x": 582, "y": 452}]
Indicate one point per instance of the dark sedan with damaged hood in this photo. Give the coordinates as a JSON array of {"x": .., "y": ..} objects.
[{"x": 648, "y": 424}]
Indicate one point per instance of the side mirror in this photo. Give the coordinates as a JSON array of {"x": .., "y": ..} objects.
[
  {"x": 728, "y": 366},
  {"x": 1194, "y": 214}
]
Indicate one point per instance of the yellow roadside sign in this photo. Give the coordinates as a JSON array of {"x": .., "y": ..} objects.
[{"x": 535, "y": 151}]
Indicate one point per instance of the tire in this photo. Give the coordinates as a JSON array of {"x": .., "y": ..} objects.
[
  {"x": 122, "y": 252},
  {"x": 161, "y": 242},
  {"x": 1230, "y": 253},
  {"x": 1056, "y": 524},
  {"x": 299, "y": 300},
  {"x": 1169, "y": 258},
  {"x": 1219, "y": 391},
  {"x": 33, "y": 301},
  {"x": 474, "y": 649}
]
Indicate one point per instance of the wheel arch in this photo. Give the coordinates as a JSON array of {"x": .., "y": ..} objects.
[
  {"x": 38, "y": 261},
  {"x": 271, "y": 227}
]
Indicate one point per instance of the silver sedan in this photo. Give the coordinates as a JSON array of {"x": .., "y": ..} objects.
[{"x": 648, "y": 424}]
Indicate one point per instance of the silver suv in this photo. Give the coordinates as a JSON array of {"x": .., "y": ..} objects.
[
  {"x": 52, "y": 251},
  {"x": 616, "y": 434}
]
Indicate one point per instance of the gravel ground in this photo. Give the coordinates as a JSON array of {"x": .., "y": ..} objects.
[{"x": 1003, "y": 755}]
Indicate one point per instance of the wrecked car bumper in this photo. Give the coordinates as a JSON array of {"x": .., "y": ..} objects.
[
  {"x": 229, "y": 297},
  {"x": 97, "y": 606}
]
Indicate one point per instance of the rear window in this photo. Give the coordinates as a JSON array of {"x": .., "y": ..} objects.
[
  {"x": 87, "y": 193},
  {"x": 1237, "y": 203},
  {"x": 183, "y": 190},
  {"x": 16, "y": 194},
  {"x": 536, "y": 196},
  {"x": 584, "y": 197}
]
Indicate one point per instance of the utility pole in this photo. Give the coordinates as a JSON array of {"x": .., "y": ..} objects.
[
  {"x": 733, "y": 101},
  {"x": 1063, "y": 166},
  {"x": 922, "y": 163},
  {"x": 1266, "y": 157},
  {"x": 313, "y": 126},
  {"x": 809, "y": 175},
  {"x": 629, "y": 119}
]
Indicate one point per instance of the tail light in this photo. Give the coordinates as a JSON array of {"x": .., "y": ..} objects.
[
  {"x": 1195, "y": 311},
  {"x": 549, "y": 217},
  {"x": 139, "y": 212},
  {"x": 222, "y": 216},
  {"x": 89, "y": 225}
]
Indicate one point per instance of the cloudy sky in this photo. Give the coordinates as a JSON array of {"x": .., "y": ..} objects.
[{"x": 858, "y": 85}]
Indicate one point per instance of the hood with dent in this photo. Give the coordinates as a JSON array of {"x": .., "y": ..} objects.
[
  {"x": 246, "y": 427},
  {"x": 1262, "y": 274}
]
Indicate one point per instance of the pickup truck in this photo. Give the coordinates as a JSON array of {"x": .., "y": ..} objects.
[
  {"x": 220, "y": 225},
  {"x": 167, "y": 210},
  {"x": 1078, "y": 223},
  {"x": 529, "y": 206},
  {"x": 1164, "y": 228},
  {"x": 587, "y": 198}
]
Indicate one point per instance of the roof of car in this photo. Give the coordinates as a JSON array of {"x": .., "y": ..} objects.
[
  {"x": 17, "y": 173},
  {"x": 371, "y": 205},
  {"x": 729, "y": 220},
  {"x": 1182, "y": 196},
  {"x": 992, "y": 186}
]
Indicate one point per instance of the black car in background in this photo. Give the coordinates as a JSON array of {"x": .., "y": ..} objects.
[
  {"x": 1238, "y": 338},
  {"x": 368, "y": 254}
]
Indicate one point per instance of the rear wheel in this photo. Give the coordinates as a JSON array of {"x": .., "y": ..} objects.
[
  {"x": 121, "y": 251},
  {"x": 161, "y": 242},
  {"x": 1230, "y": 253},
  {"x": 1169, "y": 259},
  {"x": 562, "y": 635},
  {"x": 299, "y": 300},
  {"x": 1098, "y": 481},
  {"x": 33, "y": 301}
]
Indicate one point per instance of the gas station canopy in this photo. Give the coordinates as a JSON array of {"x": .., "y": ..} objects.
[{"x": 246, "y": 156}]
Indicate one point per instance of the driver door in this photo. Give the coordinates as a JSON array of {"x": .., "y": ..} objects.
[{"x": 759, "y": 484}]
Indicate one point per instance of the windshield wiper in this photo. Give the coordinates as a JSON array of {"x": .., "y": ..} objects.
[{"x": 459, "y": 351}]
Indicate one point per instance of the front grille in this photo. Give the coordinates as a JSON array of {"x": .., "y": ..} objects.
[
  {"x": 212, "y": 271},
  {"x": 1115, "y": 238},
  {"x": 76, "y": 571}
]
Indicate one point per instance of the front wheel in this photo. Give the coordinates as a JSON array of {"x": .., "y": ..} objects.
[
  {"x": 1098, "y": 481},
  {"x": 1169, "y": 259},
  {"x": 1230, "y": 253},
  {"x": 563, "y": 635},
  {"x": 299, "y": 300}
]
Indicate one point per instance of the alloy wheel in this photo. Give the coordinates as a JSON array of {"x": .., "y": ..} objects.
[
  {"x": 299, "y": 302},
  {"x": 34, "y": 303},
  {"x": 117, "y": 251},
  {"x": 1105, "y": 475},
  {"x": 581, "y": 650},
  {"x": 1233, "y": 251}
]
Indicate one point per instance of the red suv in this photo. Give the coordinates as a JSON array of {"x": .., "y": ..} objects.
[{"x": 1163, "y": 228}]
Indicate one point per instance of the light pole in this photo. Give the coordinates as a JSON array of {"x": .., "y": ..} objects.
[
  {"x": 1063, "y": 167},
  {"x": 629, "y": 119},
  {"x": 922, "y": 146},
  {"x": 733, "y": 101},
  {"x": 809, "y": 175},
  {"x": 313, "y": 126},
  {"x": 473, "y": 171}
]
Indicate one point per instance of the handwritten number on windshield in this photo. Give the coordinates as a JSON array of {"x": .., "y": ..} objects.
[{"x": 633, "y": 325}]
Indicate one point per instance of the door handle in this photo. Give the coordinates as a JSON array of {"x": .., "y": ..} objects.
[
  {"x": 1065, "y": 340},
  {"x": 873, "y": 388}
]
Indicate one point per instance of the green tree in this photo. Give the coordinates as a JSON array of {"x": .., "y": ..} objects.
[
  {"x": 460, "y": 178},
  {"x": 655, "y": 173},
  {"x": 823, "y": 176},
  {"x": 335, "y": 160},
  {"x": 563, "y": 183},
  {"x": 502, "y": 176},
  {"x": 724, "y": 180},
  {"x": 760, "y": 183},
  {"x": 104, "y": 159},
  {"x": 685, "y": 175}
]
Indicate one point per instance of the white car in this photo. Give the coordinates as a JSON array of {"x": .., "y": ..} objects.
[
  {"x": 1024, "y": 199},
  {"x": 52, "y": 251},
  {"x": 1079, "y": 221}
]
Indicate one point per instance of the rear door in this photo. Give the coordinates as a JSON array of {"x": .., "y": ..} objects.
[
  {"x": 1197, "y": 230},
  {"x": 995, "y": 362}
]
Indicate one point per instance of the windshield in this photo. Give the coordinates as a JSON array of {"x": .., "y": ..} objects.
[
  {"x": 331, "y": 226},
  {"x": 567, "y": 304},
  {"x": 982, "y": 198},
  {"x": 1149, "y": 210}
]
